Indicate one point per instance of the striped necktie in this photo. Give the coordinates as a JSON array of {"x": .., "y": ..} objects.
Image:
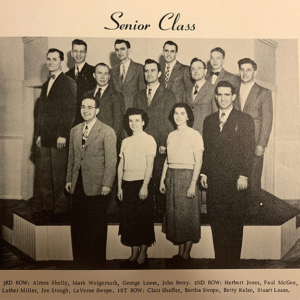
[
  {"x": 167, "y": 75},
  {"x": 222, "y": 121}
]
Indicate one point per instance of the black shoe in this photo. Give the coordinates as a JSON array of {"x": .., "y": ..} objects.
[
  {"x": 185, "y": 263},
  {"x": 213, "y": 265},
  {"x": 174, "y": 262}
]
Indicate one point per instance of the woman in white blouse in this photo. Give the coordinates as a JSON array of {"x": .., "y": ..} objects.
[
  {"x": 135, "y": 189},
  {"x": 179, "y": 181}
]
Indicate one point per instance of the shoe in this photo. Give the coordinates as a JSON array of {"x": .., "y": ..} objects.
[
  {"x": 174, "y": 262},
  {"x": 185, "y": 263},
  {"x": 142, "y": 266}
]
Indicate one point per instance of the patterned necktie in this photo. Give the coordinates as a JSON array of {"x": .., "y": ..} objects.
[
  {"x": 222, "y": 121},
  {"x": 84, "y": 135},
  {"x": 149, "y": 96},
  {"x": 123, "y": 74},
  {"x": 98, "y": 94},
  {"x": 196, "y": 89},
  {"x": 167, "y": 75},
  {"x": 76, "y": 72}
]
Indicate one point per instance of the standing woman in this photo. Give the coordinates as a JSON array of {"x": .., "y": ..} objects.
[
  {"x": 135, "y": 189},
  {"x": 179, "y": 181}
]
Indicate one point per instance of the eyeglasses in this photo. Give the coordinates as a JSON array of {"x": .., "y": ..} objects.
[{"x": 88, "y": 107}]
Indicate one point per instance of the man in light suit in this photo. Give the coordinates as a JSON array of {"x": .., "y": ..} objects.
[
  {"x": 127, "y": 77},
  {"x": 229, "y": 145},
  {"x": 256, "y": 101},
  {"x": 82, "y": 73},
  {"x": 111, "y": 103},
  {"x": 175, "y": 76},
  {"x": 55, "y": 117},
  {"x": 200, "y": 97},
  {"x": 218, "y": 73},
  {"x": 90, "y": 175},
  {"x": 157, "y": 102}
]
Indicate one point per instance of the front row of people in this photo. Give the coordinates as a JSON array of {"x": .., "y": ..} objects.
[{"x": 226, "y": 164}]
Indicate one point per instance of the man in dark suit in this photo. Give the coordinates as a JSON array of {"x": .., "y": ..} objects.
[
  {"x": 127, "y": 77},
  {"x": 157, "y": 101},
  {"x": 91, "y": 172},
  {"x": 218, "y": 73},
  {"x": 229, "y": 145},
  {"x": 111, "y": 103},
  {"x": 201, "y": 95},
  {"x": 256, "y": 101},
  {"x": 55, "y": 118},
  {"x": 175, "y": 76},
  {"x": 82, "y": 73}
]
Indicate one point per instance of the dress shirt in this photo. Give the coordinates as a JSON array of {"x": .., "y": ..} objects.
[
  {"x": 80, "y": 66},
  {"x": 51, "y": 81},
  {"x": 244, "y": 92},
  {"x": 103, "y": 88},
  {"x": 214, "y": 77},
  {"x": 153, "y": 86},
  {"x": 227, "y": 113},
  {"x": 200, "y": 84},
  {"x": 171, "y": 65},
  {"x": 126, "y": 65},
  {"x": 90, "y": 126}
]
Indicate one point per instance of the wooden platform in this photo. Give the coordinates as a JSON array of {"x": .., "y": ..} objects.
[{"x": 269, "y": 233}]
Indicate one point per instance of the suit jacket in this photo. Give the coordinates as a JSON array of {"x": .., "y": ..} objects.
[
  {"x": 85, "y": 81},
  {"x": 97, "y": 159},
  {"x": 228, "y": 153},
  {"x": 162, "y": 102},
  {"x": 225, "y": 76},
  {"x": 111, "y": 108},
  {"x": 56, "y": 111},
  {"x": 259, "y": 105},
  {"x": 203, "y": 105},
  {"x": 134, "y": 82},
  {"x": 179, "y": 81}
]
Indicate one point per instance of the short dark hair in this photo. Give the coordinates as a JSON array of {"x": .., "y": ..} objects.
[
  {"x": 197, "y": 59},
  {"x": 225, "y": 84},
  {"x": 52, "y": 50},
  {"x": 247, "y": 61},
  {"x": 189, "y": 111},
  {"x": 218, "y": 49},
  {"x": 123, "y": 41},
  {"x": 152, "y": 61},
  {"x": 79, "y": 42},
  {"x": 101, "y": 64},
  {"x": 171, "y": 43},
  {"x": 135, "y": 111},
  {"x": 92, "y": 98}
]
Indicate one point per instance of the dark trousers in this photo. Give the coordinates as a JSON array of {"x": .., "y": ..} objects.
[
  {"x": 256, "y": 173},
  {"x": 53, "y": 174},
  {"x": 88, "y": 227}
]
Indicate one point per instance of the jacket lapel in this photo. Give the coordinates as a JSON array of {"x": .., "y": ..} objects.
[
  {"x": 54, "y": 85},
  {"x": 252, "y": 95},
  {"x": 202, "y": 92},
  {"x": 78, "y": 136},
  {"x": 158, "y": 94},
  {"x": 94, "y": 133},
  {"x": 105, "y": 97},
  {"x": 174, "y": 74},
  {"x": 130, "y": 72},
  {"x": 117, "y": 76}
]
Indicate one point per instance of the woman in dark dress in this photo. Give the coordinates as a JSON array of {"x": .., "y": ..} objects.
[{"x": 135, "y": 189}]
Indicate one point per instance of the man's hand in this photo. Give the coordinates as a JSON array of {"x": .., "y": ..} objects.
[
  {"x": 203, "y": 181},
  {"x": 259, "y": 150},
  {"x": 38, "y": 142},
  {"x": 68, "y": 187},
  {"x": 105, "y": 190},
  {"x": 143, "y": 192},
  {"x": 61, "y": 143},
  {"x": 162, "y": 150},
  {"x": 242, "y": 183}
]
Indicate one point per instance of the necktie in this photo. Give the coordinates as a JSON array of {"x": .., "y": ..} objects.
[
  {"x": 149, "y": 97},
  {"x": 222, "y": 121},
  {"x": 76, "y": 72},
  {"x": 98, "y": 94},
  {"x": 52, "y": 76},
  {"x": 216, "y": 73},
  {"x": 167, "y": 75},
  {"x": 196, "y": 89},
  {"x": 123, "y": 74},
  {"x": 84, "y": 135}
]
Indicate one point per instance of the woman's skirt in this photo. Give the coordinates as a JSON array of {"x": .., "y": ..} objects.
[
  {"x": 136, "y": 215},
  {"x": 182, "y": 216}
]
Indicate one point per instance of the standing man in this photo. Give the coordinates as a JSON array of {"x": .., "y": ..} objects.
[
  {"x": 256, "y": 101},
  {"x": 227, "y": 162},
  {"x": 91, "y": 172},
  {"x": 200, "y": 96},
  {"x": 82, "y": 73},
  {"x": 218, "y": 73},
  {"x": 126, "y": 78},
  {"x": 157, "y": 102},
  {"x": 175, "y": 76},
  {"x": 55, "y": 118},
  {"x": 111, "y": 103}
]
